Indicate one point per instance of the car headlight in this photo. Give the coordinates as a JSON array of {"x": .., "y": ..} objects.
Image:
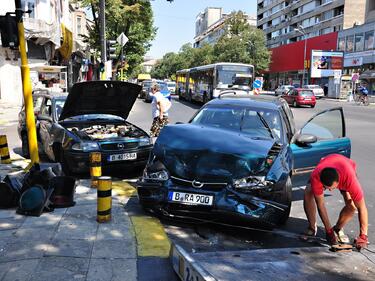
[
  {"x": 252, "y": 183},
  {"x": 156, "y": 176},
  {"x": 144, "y": 142},
  {"x": 85, "y": 146}
]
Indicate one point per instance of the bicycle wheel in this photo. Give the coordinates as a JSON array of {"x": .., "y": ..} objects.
[
  {"x": 366, "y": 101},
  {"x": 357, "y": 99}
]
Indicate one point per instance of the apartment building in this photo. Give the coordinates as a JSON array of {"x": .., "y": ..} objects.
[
  {"x": 210, "y": 26},
  {"x": 281, "y": 19}
]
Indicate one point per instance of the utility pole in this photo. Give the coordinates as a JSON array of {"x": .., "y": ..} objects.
[
  {"x": 102, "y": 30},
  {"x": 27, "y": 88}
]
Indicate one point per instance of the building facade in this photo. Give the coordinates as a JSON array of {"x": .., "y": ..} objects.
[
  {"x": 210, "y": 26},
  {"x": 281, "y": 19}
]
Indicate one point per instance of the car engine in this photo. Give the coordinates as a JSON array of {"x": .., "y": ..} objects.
[{"x": 99, "y": 132}]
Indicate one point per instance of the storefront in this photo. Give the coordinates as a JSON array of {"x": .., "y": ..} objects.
[
  {"x": 288, "y": 65},
  {"x": 49, "y": 76}
]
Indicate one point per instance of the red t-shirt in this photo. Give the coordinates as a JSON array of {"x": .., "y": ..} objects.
[{"x": 348, "y": 180}]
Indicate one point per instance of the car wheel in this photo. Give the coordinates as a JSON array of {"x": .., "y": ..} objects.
[
  {"x": 286, "y": 198},
  {"x": 313, "y": 105},
  {"x": 25, "y": 145}
]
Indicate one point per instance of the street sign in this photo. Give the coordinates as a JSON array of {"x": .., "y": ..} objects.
[
  {"x": 257, "y": 84},
  {"x": 122, "y": 39},
  {"x": 355, "y": 76}
]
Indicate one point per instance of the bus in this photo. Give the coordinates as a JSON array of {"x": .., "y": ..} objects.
[{"x": 206, "y": 82}]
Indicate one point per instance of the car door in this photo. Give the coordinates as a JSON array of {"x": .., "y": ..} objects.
[
  {"x": 329, "y": 129},
  {"x": 45, "y": 124}
]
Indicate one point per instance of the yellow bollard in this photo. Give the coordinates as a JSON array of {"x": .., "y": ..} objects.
[
  {"x": 104, "y": 199},
  {"x": 4, "y": 150},
  {"x": 95, "y": 168}
]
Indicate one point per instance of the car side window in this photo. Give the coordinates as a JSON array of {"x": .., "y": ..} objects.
[
  {"x": 287, "y": 124},
  {"x": 325, "y": 126},
  {"x": 46, "y": 110}
]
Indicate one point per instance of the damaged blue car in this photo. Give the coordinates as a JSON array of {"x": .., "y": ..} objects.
[{"x": 234, "y": 161}]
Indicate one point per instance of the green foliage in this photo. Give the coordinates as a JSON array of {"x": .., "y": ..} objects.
[
  {"x": 134, "y": 18},
  {"x": 240, "y": 43}
]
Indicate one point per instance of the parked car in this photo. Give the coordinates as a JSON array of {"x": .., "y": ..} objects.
[
  {"x": 146, "y": 88},
  {"x": 93, "y": 118},
  {"x": 39, "y": 97},
  {"x": 283, "y": 89},
  {"x": 318, "y": 91},
  {"x": 171, "y": 87},
  {"x": 235, "y": 159},
  {"x": 300, "y": 96},
  {"x": 163, "y": 90}
]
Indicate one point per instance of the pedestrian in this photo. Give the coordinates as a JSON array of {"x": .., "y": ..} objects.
[
  {"x": 336, "y": 172},
  {"x": 160, "y": 106}
]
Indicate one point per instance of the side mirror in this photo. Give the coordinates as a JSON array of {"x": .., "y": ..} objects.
[{"x": 306, "y": 139}]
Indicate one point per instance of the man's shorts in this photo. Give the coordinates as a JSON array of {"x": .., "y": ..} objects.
[{"x": 157, "y": 125}]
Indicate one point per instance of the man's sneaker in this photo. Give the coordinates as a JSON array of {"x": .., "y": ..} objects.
[
  {"x": 310, "y": 232},
  {"x": 342, "y": 238}
]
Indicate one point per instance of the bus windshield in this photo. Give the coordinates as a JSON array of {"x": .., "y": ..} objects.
[{"x": 234, "y": 75}]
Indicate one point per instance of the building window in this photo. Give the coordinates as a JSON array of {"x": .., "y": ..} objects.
[
  {"x": 350, "y": 43},
  {"x": 79, "y": 25},
  {"x": 341, "y": 44},
  {"x": 326, "y": 30},
  {"x": 327, "y": 15},
  {"x": 369, "y": 40},
  {"x": 359, "y": 42}
]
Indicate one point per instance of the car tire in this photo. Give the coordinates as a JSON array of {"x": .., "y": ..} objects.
[
  {"x": 25, "y": 145},
  {"x": 286, "y": 198},
  {"x": 312, "y": 106}
]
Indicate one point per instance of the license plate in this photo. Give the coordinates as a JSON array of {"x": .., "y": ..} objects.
[
  {"x": 307, "y": 99},
  {"x": 191, "y": 198},
  {"x": 122, "y": 157}
]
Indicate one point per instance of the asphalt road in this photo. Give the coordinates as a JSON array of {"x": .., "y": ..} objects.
[
  {"x": 202, "y": 237},
  {"x": 360, "y": 127}
]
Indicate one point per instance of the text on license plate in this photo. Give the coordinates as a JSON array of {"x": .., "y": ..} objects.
[
  {"x": 190, "y": 198},
  {"x": 121, "y": 157}
]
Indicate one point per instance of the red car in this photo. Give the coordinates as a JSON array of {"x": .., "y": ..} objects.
[{"x": 300, "y": 96}]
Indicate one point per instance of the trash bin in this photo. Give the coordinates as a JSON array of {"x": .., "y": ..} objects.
[{"x": 63, "y": 191}]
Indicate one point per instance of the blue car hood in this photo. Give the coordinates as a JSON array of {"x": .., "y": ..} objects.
[{"x": 209, "y": 154}]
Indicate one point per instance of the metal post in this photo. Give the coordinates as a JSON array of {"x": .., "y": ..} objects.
[
  {"x": 104, "y": 204},
  {"x": 95, "y": 168},
  {"x": 102, "y": 30},
  {"x": 122, "y": 63},
  {"x": 27, "y": 88},
  {"x": 304, "y": 59},
  {"x": 4, "y": 150}
]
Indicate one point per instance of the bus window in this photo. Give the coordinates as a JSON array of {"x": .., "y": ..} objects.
[{"x": 234, "y": 75}]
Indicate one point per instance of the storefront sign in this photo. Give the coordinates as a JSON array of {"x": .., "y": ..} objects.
[
  {"x": 324, "y": 63},
  {"x": 353, "y": 61}
]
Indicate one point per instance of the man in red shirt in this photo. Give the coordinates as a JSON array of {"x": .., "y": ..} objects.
[{"x": 336, "y": 172}]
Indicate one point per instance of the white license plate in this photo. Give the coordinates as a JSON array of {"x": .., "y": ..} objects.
[
  {"x": 191, "y": 198},
  {"x": 307, "y": 99},
  {"x": 122, "y": 157}
]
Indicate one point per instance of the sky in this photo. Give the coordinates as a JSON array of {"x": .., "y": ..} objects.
[{"x": 176, "y": 21}]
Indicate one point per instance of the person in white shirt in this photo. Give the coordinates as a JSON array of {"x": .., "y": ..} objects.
[{"x": 160, "y": 106}]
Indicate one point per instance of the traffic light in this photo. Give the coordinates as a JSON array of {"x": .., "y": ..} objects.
[
  {"x": 111, "y": 49},
  {"x": 9, "y": 31}
]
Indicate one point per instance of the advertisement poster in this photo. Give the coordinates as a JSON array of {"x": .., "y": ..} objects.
[{"x": 324, "y": 63}]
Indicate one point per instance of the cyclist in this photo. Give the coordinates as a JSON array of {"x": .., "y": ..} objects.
[{"x": 362, "y": 93}]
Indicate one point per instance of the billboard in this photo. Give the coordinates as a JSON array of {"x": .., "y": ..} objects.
[{"x": 324, "y": 63}]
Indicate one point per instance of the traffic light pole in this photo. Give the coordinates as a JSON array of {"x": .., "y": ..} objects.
[
  {"x": 122, "y": 63},
  {"x": 102, "y": 34},
  {"x": 27, "y": 89}
]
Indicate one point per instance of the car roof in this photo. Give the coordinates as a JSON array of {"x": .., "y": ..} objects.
[
  {"x": 303, "y": 89},
  {"x": 260, "y": 101}
]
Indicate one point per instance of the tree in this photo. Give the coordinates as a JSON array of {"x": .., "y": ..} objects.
[
  {"x": 242, "y": 43},
  {"x": 134, "y": 18}
]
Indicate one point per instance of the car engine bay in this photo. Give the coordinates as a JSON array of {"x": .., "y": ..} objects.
[{"x": 101, "y": 132}]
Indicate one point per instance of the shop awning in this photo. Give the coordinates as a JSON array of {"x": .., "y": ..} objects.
[
  {"x": 367, "y": 75},
  {"x": 47, "y": 68}
]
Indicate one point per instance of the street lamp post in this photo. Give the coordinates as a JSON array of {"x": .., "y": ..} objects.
[{"x": 302, "y": 31}]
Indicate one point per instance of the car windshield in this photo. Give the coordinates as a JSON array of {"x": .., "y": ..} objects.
[
  {"x": 306, "y": 93},
  {"x": 171, "y": 84},
  {"x": 147, "y": 85},
  {"x": 59, "y": 104},
  {"x": 255, "y": 122},
  {"x": 163, "y": 86}
]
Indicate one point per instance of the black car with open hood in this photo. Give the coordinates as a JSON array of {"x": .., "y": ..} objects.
[
  {"x": 235, "y": 159},
  {"x": 93, "y": 118}
]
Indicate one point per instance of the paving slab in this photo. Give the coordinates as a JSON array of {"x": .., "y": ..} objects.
[
  {"x": 112, "y": 270},
  {"x": 18, "y": 270},
  {"x": 11, "y": 223},
  {"x": 20, "y": 250},
  {"x": 36, "y": 233},
  {"x": 76, "y": 228},
  {"x": 78, "y": 248},
  {"x": 120, "y": 249}
]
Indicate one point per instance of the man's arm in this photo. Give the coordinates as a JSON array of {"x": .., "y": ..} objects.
[
  {"x": 161, "y": 113},
  {"x": 362, "y": 216},
  {"x": 319, "y": 199}
]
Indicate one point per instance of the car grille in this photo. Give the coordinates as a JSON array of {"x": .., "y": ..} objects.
[
  {"x": 118, "y": 146},
  {"x": 213, "y": 186}
]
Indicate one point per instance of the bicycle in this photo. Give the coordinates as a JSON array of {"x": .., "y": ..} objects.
[{"x": 361, "y": 99}]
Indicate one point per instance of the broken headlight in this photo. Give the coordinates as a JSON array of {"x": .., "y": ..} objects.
[
  {"x": 144, "y": 142},
  {"x": 252, "y": 183},
  {"x": 156, "y": 171}
]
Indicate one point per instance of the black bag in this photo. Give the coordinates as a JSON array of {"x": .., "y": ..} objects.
[
  {"x": 63, "y": 191},
  {"x": 10, "y": 191}
]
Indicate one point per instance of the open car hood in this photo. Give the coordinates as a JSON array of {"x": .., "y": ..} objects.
[
  {"x": 100, "y": 97},
  {"x": 209, "y": 154}
]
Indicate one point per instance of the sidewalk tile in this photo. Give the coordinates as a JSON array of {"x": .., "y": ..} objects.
[
  {"x": 115, "y": 231},
  {"x": 11, "y": 223},
  {"x": 49, "y": 219},
  {"x": 112, "y": 270},
  {"x": 79, "y": 248},
  {"x": 20, "y": 250},
  {"x": 73, "y": 228},
  {"x": 17, "y": 270},
  {"x": 39, "y": 233},
  {"x": 61, "y": 269},
  {"x": 120, "y": 249}
]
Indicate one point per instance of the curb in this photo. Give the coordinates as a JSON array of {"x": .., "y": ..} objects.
[{"x": 186, "y": 267}]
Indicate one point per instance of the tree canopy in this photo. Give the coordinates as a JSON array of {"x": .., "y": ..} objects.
[
  {"x": 134, "y": 18},
  {"x": 239, "y": 43}
]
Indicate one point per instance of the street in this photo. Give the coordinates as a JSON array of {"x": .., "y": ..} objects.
[{"x": 202, "y": 237}]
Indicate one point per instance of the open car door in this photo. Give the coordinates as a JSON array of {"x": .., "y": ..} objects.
[{"x": 322, "y": 135}]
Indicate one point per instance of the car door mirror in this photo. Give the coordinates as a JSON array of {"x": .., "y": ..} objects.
[{"x": 305, "y": 139}]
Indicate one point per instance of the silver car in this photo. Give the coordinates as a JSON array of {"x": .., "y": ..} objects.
[
  {"x": 283, "y": 89},
  {"x": 317, "y": 90}
]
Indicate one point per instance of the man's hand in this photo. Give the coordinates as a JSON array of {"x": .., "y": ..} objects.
[
  {"x": 361, "y": 242},
  {"x": 331, "y": 237}
]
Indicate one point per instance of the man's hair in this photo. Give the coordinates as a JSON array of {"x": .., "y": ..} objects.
[
  {"x": 328, "y": 176},
  {"x": 155, "y": 87}
]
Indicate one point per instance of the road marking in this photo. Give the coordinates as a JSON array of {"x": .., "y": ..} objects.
[
  {"x": 152, "y": 241},
  {"x": 122, "y": 188}
]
